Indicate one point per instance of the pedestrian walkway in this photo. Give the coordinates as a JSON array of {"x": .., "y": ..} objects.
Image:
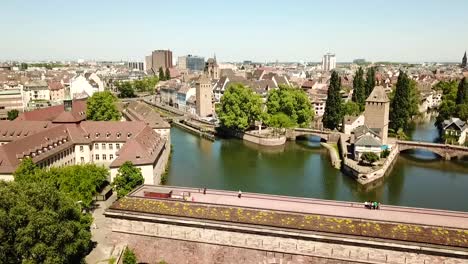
[{"x": 387, "y": 213}]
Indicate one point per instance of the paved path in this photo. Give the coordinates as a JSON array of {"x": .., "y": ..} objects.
[{"x": 324, "y": 207}]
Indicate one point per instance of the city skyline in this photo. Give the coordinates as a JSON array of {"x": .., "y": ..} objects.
[{"x": 420, "y": 31}]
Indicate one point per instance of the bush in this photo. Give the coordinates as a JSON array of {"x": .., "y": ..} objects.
[
  {"x": 385, "y": 153},
  {"x": 369, "y": 157},
  {"x": 129, "y": 257}
]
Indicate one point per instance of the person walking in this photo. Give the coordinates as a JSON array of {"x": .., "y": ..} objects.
[
  {"x": 204, "y": 190},
  {"x": 240, "y": 194}
]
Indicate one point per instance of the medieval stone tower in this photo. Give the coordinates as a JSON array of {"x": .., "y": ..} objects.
[
  {"x": 377, "y": 111},
  {"x": 204, "y": 97}
]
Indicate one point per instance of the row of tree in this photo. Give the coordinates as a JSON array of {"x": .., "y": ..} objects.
[
  {"x": 164, "y": 75},
  {"x": 454, "y": 100},
  {"x": 285, "y": 107},
  {"x": 127, "y": 89},
  {"x": 404, "y": 99}
]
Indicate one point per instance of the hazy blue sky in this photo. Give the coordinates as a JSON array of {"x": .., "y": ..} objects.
[{"x": 236, "y": 30}]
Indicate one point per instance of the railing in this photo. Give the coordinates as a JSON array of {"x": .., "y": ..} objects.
[{"x": 429, "y": 144}]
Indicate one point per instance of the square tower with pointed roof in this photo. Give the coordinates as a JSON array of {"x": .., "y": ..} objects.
[{"x": 377, "y": 111}]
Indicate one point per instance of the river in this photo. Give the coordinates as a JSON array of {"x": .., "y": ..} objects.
[{"x": 302, "y": 168}]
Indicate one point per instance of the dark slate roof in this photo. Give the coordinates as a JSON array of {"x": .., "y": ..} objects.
[{"x": 378, "y": 95}]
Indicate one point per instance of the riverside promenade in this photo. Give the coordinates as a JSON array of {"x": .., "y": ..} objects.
[{"x": 386, "y": 213}]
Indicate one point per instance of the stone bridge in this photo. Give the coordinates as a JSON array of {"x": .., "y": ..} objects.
[
  {"x": 323, "y": 134},
  {"x": 443, "y": 150}
]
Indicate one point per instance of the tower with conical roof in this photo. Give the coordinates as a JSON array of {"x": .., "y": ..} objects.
[
  {"x": 376, "y": 114},
  {"x": 463, "y": 65}
]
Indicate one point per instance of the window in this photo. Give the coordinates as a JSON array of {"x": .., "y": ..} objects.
[
  {"x": 82, "y": 159},
  {"x": 104, "y": 157},
  {"x": 111, "y": 146},
  {"x": 81, "y": 148},
  {"x": 96, "y": 157},
  {"x": 117, "y": 146},
  {"x": 96, "y": 146},
  {"x": 111, "y": 156},
  {"x": 103, "y": 145}
]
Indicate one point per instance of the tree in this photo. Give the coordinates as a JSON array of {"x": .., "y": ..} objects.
[
  {"x": 162, "y": 77},
  {"x": 23, "y": 66},
  {"x": 370, "y": 82},
  {"x": 79, "y": 182},
  {"x": 447, "y": 109},
  {"x": 125, "y": 90},
  {"x": 359, "y": 92},
  {"x": 333, "y": 114},
  {"x": 40, "y": 224},
  {"x": 12, "y": 114},
  {"x": 293, "y": 103},
  {"x": 128, "y": 177},
  {"x": 168, "y": 74},
  {"x": 369, "y": 157},
  {"x": 239, "y": 108},
  {"x": 101, "y": 107},
  {"x": 129, "y": 257},
  {"x": 462, "y": 92},
  {"x": 399, "y": 114},
  {"x": 351, "y": 108}
]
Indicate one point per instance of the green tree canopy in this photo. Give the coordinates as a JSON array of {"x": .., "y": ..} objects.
[
  {"x": 128, "y": 177},
  {"x": 162, "y": 77},
  {"x": 12, "y": 114},
  {"x": 101, "y": 107},
  {"x": 40, "y": 224},
  {"x": 168, "y": 74},
  {"x": 351, "y": 108},
  {"x": 370, "y": 82},
  {"x": 125, "y": 89},
  {"x": 359, "y": 92},
  {"x": 239, "y": 108},
  {"x": 79, "y": 182},
  {"x": 400, "y": 105},
  {"x": 369, "y": 157},
  {"x": 333, "y": 114},
  {"x": 293, "y": 103},
  {"x": 147, "y": 84},
  {"x": 462, "y": 92}
]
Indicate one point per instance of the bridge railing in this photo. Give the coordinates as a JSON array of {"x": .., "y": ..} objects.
[{"x": 430, "y": 144}]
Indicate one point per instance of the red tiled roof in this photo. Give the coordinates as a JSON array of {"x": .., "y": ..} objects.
[
  {"x": 55, "y": 85},
  {"x": 51, "y": 113}
]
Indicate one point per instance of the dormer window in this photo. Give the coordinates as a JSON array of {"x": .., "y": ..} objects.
[
  {"x": 108, "y": 134},
  {"x": 97, "y": 134},
  {"x": 129, "y": 134},
  {"x": 118, "y": 134},
  {"x": 55, "y": 144}
]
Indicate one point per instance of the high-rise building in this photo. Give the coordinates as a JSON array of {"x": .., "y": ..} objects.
[
  {"x": 160, "y": 59},
  {"x": 376, "y": 114},
  {"x": 190, "y": 62},
  {"x": 328, "y": 62},
  {"x": 204, "y": 94},
  {"x": 463, "y": 65}
]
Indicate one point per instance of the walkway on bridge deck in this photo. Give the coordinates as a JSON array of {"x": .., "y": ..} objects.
[{"x": 387, "y": 213}]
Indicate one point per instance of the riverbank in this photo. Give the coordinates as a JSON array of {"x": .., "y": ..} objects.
[{"x": 333, "y": 153}]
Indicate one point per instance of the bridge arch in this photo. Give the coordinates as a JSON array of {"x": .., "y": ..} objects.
[{"x": 439, "y": 153}]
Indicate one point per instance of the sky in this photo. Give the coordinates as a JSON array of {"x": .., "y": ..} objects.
[{"x": 236, "y": 30}]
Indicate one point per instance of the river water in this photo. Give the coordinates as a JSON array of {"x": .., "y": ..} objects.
[{"x": 302, "y": 168}]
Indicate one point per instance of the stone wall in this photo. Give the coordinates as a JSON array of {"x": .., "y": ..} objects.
[{"x": 192, "y": 242}]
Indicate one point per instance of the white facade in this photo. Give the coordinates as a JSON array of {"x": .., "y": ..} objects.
[
  {"x": 328, "y": 62},
  {"x": 348, "y": 127},
  {"x": 79, "y": 85}
]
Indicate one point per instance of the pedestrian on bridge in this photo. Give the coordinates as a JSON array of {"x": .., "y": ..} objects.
[{"x": 240, "y": 194}]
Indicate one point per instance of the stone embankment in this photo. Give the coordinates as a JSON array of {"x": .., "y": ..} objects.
[
  {"x": 366, "y": 175},
  {"x": 264, "y": 138},
  {"x": 334, "y": 155}
]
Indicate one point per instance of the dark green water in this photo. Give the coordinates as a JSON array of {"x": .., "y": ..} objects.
[{"x": 303, "y": 168}]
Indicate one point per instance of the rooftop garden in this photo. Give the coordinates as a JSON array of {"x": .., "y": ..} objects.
[{"x": 310, "y": 222}]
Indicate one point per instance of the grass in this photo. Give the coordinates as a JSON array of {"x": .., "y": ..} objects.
[{"x": 310, "y": 222}]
